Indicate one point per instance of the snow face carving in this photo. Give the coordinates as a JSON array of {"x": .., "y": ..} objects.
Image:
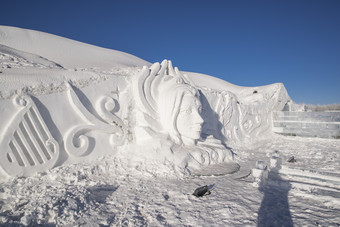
[
  {"x": 170, "y": 105},
  {"x": 189, "y": 121},
  {"x": 169, "y": 118}
]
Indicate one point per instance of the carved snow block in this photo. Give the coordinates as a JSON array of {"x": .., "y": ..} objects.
[{"x": 27, "y": 146}]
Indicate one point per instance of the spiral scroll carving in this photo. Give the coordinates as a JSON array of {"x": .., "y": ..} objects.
[
  {"x": 77, "y": 141},
  {"x": 105, "y": 107}
]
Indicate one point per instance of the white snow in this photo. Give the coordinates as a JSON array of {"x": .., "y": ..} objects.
[
  {"x": 67, "y": 53},
  {"x": 109, "y": 143}
]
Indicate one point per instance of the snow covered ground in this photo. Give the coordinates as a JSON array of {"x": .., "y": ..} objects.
[
  {"x": 103, "y": 192},
  {"x": 64, "y": 84}
]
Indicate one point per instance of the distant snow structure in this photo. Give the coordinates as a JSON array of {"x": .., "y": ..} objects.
[
  {"x": 307, "y": 121},
  {"x": 307, "y": 124}
]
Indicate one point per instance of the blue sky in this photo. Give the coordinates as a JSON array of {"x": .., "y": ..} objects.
[{"x": 245, "y": 42}]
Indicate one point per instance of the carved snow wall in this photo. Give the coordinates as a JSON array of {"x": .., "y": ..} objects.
[
  {"x": 83, "y": 120},
  {"x": 41, "y": 132},
  {"x": 230, "y": 121}
]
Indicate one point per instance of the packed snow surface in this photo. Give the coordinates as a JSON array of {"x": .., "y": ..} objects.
[
  {"x": 102, "y": 192},
  {"x": 97, "y": 137}
]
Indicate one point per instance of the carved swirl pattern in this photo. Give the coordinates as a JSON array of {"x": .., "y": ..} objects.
[
  {"x": 106, "y": 106},
  {"x": 77, "y": 142}
]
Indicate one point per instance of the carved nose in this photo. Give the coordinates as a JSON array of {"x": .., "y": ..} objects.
[{"x": 199, "y": 119}]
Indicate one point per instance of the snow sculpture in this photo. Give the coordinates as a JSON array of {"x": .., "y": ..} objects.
[
  {"x": 27, "y": 146},
  {"x": 169, "y": 104},
  {"x": 169, "y": 109},
  {"x": 77, "y": 142},
  {"x": 164, "y": 118}
]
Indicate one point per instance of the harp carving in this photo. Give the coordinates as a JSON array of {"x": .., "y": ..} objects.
[{"x": 27, "y": 146}]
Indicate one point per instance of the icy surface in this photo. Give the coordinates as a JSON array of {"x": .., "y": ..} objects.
[{"x": 97, "y": 137}]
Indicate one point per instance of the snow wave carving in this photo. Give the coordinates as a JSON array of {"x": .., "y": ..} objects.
[
  {"x": 241, "y": 116},
  {"x": 27, "y": 146},
  {"x": 77, "y": 141},
  {"x": 220, "y": 114}
]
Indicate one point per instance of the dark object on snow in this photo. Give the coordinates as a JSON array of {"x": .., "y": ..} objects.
[
  {"x": 202, "y": 191},
  {"x": 291, "y": 159},
  {"x": 255, "y": 92}
]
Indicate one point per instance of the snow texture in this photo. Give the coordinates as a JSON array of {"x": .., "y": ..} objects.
[{"x": 97, "y": 137}]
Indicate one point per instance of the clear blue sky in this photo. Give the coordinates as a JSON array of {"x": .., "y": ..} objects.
[{"x": 245, "y": 42}]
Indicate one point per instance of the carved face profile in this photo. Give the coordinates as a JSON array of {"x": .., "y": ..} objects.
[
  {"x": 171, "y": 105},
  {"x": 189, "y": 121},
  {"x": 179, "y": 113}
]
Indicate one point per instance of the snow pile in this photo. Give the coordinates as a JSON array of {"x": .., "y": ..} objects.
[{"x": 89, "y": 135}]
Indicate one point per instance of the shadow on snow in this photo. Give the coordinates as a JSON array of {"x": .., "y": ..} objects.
[{"x": 274, "y": 210}]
